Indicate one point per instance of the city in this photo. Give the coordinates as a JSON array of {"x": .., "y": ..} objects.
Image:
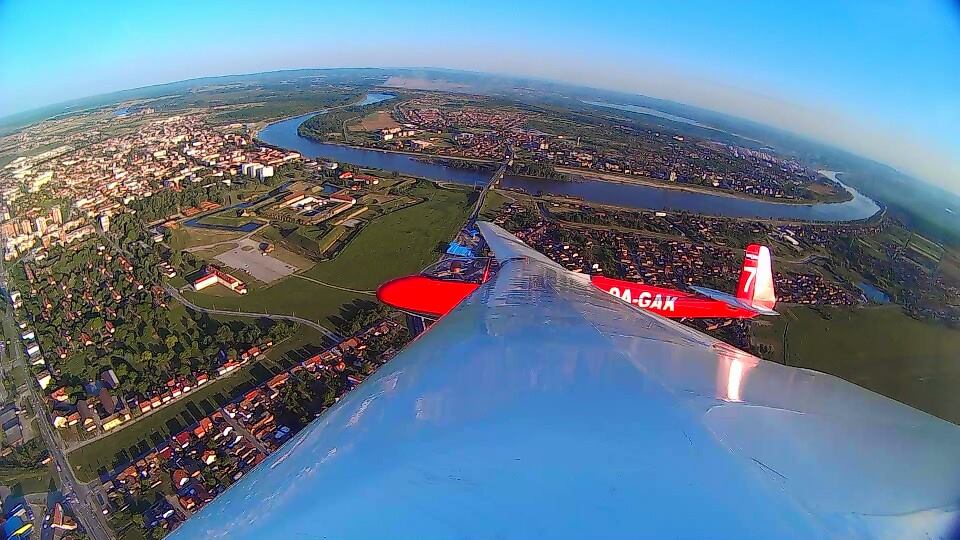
[{"x": 196, "y": 342}]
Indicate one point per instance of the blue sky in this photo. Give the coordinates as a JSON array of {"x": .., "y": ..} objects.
[{"x": 881, "y": 78}]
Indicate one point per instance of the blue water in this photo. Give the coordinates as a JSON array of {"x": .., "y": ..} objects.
[
  {"x": 373, "y": 97},
  {"x": 651, "y": 112},
  {"x": 284, "y": 134},
  {"x": 250, "y": 226},
  {"x": 873, "y": 294}
]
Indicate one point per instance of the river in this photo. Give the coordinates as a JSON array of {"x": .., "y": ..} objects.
[{"x": 284, "y": 134}]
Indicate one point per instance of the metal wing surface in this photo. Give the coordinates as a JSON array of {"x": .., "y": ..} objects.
[{"x": 541, "y": 407}]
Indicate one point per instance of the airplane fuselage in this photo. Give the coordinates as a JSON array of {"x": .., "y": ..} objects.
[
  {"x": 434, "y": 297},
  {"x": 670, "y": 303}
]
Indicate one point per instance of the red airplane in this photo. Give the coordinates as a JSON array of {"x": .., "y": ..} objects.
[{"x": 439, "y": 288}]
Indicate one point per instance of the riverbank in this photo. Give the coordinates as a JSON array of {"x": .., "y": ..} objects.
[
  {"x": 586, "y": 175},
  {"x": 428, "y": 158},
  {"x": 567, "y": 199},
  {"x": 653, "y": 182},
  {"x": 637, "y": 193}
]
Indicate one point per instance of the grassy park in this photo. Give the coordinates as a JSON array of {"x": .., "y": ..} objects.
[
  {"x": 24, "y": 481},
  {"x": 880, "y": 348},
  {"x": 398, "y": 243}
]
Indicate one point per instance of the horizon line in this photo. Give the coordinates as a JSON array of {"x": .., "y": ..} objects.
[{"x": 66, "y": 103}]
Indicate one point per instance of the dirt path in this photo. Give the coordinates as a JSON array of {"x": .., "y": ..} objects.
[{"x": 332, "y": 286}]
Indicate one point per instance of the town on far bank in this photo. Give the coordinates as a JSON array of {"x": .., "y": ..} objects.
[{"x": 182, "y": 298}]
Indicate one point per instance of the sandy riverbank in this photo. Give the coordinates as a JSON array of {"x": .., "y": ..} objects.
[{"x": 652, "y": 182}]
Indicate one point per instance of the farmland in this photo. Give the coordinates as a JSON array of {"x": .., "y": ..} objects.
[{"x": 880, "y": 348}]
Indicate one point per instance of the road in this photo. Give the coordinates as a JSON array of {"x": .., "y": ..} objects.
[
  {"x": 87, "y": 510},
  {"x": 242, "y": 430},
  {"x": 333, "y": 336},
  {"x": 494, "y": 180}
]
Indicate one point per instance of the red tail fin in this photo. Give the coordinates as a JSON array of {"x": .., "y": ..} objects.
[{"x": 756, "y": 278}]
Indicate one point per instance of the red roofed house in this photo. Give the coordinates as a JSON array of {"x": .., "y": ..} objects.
[
  {"x": 183, "y": 439},
  {"x": 214, "y": 275},
  {"x": 180, "y": 478}
]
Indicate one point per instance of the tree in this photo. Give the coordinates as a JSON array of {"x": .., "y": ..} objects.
[{"x": 224, "y": 334}]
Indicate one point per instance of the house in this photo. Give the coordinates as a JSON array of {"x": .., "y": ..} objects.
[
  {"x": 7, "y": 414},
  {"x": 165, "y": 452},
  {"x": 108, "y": 402},
  {"x": 312, "y": 362},
  {"x": 213, "y": 275},
  {"x": 109, "y": 378},
  {"x": 59, "y": 419},
  {"x": 61, "y": 521},
  {"x": 60, "y": 394},
  {"x": 182, "y": 439},
  {"x": 180, "y": 478},
  {"x": 208, "y": 457},
  {"x": 112, "y": 421},
  {"x": 88, "y": 415},
  {"x": 44, "y": 379}
]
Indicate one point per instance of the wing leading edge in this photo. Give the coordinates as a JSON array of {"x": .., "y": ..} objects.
[{"x": 542, "y": 407}]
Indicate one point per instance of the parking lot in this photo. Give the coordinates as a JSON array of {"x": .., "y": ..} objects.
[{"x": 248, "y": 257}]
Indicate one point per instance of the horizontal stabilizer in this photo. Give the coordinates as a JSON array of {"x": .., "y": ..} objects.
[{"x": 733, "y": 301}]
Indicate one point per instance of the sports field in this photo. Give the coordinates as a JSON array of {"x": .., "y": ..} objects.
[{"x": 880, "y": 348}]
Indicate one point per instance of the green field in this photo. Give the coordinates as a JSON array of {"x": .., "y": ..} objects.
[
  {"x": 402, "y": 242},
  {"x": 879, "y": 348},
  {"x": 226, "y": 218},
  {"x": 491, "y": 204},
  {"x": 148, "y": 432},
  {"x": 24, "y": 481},
  {"x": 926, "y": 248},
  {"x": 183, "y": 238}
]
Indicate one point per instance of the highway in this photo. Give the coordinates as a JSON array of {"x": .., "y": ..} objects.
[
  {"x": 84, "y": 506},
  {"x": 331, "y": 335}
]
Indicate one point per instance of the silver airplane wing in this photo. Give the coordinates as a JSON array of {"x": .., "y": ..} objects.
[{"x": 543, "y": 408}]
